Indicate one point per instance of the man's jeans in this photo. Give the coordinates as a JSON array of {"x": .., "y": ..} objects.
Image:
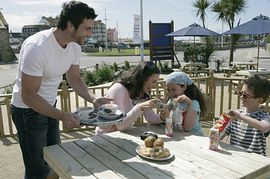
[{"x": 35, "y": 131}]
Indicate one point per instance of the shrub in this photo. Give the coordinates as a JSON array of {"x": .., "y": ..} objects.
[
  {"x": 99, "y": 76},
  {"x": 104, "y": 74},
  {"x": 8, "y": 89},
  {"x": 199, "y": 54},
  {"x": 127, "y": 66},
  {"x": 115, "y": 67}
]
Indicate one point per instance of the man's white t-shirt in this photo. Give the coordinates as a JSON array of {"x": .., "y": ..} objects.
[{"x": 42, "y": 56}]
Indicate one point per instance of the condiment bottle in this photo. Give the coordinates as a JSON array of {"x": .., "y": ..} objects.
[
  {"x": 169, "y": 125},
  {"x": 214, "y": 137}
]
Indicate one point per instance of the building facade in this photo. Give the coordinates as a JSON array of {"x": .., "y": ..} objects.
[
  {"x": 29, "y": 30},
  {"x": 112, "y": 35},
  {"x": 99, "y": 32},
  {"x": 6, "y": 53}
]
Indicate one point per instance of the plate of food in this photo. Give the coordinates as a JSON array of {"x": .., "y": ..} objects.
[
  {"x": 155, "y": 153},
  {"x": 109, "y": 116},
  {"x": 153, "y": 149},
  {"x": 91, "y": 117}
]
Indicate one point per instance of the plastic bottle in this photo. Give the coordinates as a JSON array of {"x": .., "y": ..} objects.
[
  {"x": 214, "y": 138},
  {"x": 169, "y": 125},
  {"x": 178, "y": 116}
]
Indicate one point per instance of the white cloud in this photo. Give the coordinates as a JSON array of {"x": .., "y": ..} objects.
[
  {"x": 20, "y": 21},
  {"x": 57, "y": 2},
  {"x": 17, "y": 12}
]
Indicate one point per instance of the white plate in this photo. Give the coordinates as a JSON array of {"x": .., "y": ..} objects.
[{"x": 151, "y": 158}]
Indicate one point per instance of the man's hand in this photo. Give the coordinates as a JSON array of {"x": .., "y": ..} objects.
[
  {"x": 70, "y": 120},
  {"x": 100, "y": 101}
]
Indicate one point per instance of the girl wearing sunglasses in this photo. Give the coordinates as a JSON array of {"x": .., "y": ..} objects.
[{"x": 250, "y": 125}]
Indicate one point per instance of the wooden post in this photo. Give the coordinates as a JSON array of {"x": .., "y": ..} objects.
[
  {"x": 2, "y": 134},
  {"x": 7, "y": 103},
  {"x": 65, "y": 101},
  {"x": 212, "y": 92}
]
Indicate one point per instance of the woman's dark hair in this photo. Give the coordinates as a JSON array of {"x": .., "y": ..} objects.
[
  {"x": 75, "y": 12},
  {"x": 134, "y": 80},
  {"x": 194, "y": 93},
  {"x": 259, "y": 86}
]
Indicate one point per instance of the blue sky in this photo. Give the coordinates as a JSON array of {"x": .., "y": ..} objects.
[{"x": 25, "y": 12}]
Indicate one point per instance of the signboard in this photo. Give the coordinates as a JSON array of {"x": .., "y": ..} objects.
[
  {"x": 137, "y": 29},
  {"x": 161, "y": 46}
]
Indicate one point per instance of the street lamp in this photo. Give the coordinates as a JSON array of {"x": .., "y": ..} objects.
[
  {"x": 141, "y": 15},
  {"x": 106, "y": 36}
]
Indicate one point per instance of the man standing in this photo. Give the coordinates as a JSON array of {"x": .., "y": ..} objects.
[{"x": 44, "y": 58}]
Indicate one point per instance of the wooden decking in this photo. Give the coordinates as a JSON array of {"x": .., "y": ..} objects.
[{"x": 11, "y": 163}]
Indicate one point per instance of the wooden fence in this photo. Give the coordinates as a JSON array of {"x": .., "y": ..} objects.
[{"x": 220, "y": 94}]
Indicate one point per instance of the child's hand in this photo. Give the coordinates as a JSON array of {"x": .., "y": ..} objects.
[
  {"x": 183, "y": 98},
  {"x": 164, "y": 113},
  {"x": 234, "y": 114}
]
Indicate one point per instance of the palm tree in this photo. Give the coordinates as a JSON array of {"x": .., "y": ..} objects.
[
  {"x": 227, "y": 10},
  {"x": 201, "y": 6}
]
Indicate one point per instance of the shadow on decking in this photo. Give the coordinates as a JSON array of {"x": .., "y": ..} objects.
[{"x": 11, "y": 163}]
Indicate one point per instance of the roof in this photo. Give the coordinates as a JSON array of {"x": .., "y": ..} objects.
[{"x": 3, "y": 22}]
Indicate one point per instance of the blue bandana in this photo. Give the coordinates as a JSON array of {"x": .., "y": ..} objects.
[{"x": 179, "y": 78}]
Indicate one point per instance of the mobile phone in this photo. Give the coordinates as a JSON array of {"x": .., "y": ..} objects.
[{"x": 149, "y": 133}]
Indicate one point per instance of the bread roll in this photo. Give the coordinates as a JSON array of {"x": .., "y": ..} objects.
[
  {"x": 158, "y": 143},
  {"x": 145, "y": 151},
  {"x": 149, "y": 141},
  {"x": 159, "y": 152}
]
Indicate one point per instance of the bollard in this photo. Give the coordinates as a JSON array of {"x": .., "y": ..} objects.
[
  {"x": 100, "y": 49},
  {"x": 137, "y": 50}
]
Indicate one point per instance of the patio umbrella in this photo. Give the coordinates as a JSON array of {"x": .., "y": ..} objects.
[
  {"x": 193, "y": 30},
  {"x": 259, "y": 25}
]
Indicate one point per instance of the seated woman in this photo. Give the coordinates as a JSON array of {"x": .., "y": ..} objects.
[{"x": 131, "y": 94}]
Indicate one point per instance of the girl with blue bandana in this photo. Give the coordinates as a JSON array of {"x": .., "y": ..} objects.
[{"x": 186, "y": 102}]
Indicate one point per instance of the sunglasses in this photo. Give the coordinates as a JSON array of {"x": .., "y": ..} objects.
[{"x": 245, "y": 95}]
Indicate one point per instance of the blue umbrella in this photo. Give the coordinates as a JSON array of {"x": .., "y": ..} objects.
[
  {"x": 259, "y": 25},
  {"x": 193, "y": 30}
]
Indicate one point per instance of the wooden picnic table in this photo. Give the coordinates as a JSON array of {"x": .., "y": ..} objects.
[
  {"x": 194, "y": 68},
  {"x": 244, "y": 65},
  {"x": 248, "y": 73},
  {"x": 113, "y": 155}
]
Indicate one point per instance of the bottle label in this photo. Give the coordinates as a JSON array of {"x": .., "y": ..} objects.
[
  {"x": 178, "y": 116},
  {"x": 222, "y": 122},
  {"x": 169, "y": 126}
]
